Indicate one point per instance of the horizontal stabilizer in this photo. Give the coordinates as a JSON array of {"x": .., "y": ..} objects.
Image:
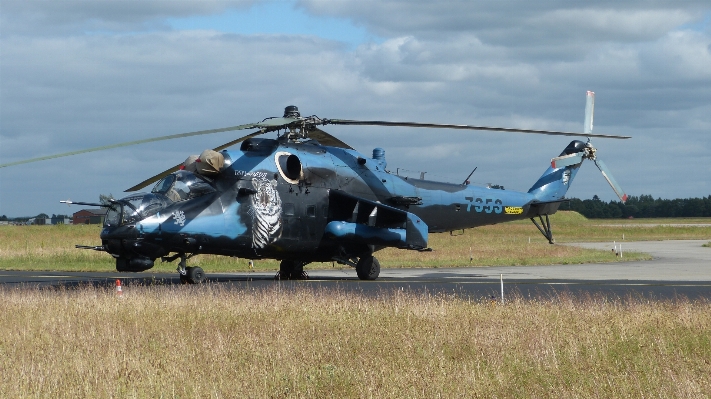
[{"x": 567, "y": 160}]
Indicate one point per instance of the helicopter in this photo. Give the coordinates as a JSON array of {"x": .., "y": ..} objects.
[{"x": 306, "y": 196}]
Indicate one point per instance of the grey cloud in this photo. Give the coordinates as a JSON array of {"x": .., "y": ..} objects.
[
  {"x": 41, "y": 17},
  {"x": 64, "y": 92},
  {"x": 149, "y": 77},
  {"x": 518, "y": 24}
]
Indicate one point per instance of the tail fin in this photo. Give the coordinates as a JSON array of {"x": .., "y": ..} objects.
[{"x": 554, "y": 183}]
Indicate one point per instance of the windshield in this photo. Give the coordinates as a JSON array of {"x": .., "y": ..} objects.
[
  {"x": 141, "y": 206},
  {"x": 134, "y": 208},
  {"x": 113, "y": 216}
]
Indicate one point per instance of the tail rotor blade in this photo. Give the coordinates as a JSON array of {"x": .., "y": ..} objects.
[
  {"x": 567, "y": 160},
  {"x": 613, "y": 183},
  {"x": 589, "y": 111}
]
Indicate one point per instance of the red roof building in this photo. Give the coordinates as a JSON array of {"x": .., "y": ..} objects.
[{"x": 89, "y": 216}]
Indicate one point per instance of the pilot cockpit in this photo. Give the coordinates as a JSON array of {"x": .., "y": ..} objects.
[{"x": 182, "y": 185}]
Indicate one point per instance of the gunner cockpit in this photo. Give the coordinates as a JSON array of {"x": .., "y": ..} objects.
[{"x": 179, "y": 186}]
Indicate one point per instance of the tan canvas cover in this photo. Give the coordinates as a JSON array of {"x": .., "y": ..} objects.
[
  {"x": 210, "y": 163},
  {"x": 189, "y": 163}
]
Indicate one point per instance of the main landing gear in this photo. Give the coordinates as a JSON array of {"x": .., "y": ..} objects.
[
  {"x": 368, "y": 268},
  {"x": 291, "y": 270}
]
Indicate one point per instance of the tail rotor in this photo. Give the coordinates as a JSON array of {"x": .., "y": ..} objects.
[{"x": 589, "y": 152}]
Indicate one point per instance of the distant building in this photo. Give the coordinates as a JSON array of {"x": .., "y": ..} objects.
[
  {"x": 60, "y": 219},
  {"x": 89, "y": 216}
]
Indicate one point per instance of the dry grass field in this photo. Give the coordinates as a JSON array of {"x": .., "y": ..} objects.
[
  {"x": 207, "y": 342},
  {"x": 52, "y": 247}
]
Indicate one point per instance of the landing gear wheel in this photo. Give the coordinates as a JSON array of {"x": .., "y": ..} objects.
[
  {"x": 194, "y": 275},
  {"x": 183, "y": 279},
  {"x": 291, "y": 270},
  {"x": 368, "y": 268}
]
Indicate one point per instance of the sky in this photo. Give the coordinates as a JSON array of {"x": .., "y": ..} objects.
[{"x": 76, "y": 74}]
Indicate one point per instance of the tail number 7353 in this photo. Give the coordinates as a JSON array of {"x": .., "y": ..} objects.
[{"x": 486, "y": 205}]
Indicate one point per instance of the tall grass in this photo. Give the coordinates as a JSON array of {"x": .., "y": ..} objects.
[
  {"x": 516, "y": 243},
  {"x": 210, "y": 342}
]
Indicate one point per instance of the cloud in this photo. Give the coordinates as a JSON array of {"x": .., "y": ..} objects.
[
  {"x": 39, "y": 17},
  {"x": 96, "y": 73},
  {"x": 506, "y": 22}
]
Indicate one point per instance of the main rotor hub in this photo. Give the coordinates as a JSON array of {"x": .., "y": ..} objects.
[
  {"x": 292, "y": 111},
  {"x": 590, "y": 151}
]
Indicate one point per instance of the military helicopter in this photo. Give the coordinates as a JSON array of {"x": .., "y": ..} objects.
[{"x": 306, "y": 196}]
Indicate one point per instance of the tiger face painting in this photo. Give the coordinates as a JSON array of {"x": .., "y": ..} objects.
[{"x": 265, "y": 211}]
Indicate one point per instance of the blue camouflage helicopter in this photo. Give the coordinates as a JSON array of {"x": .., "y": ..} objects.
[{"x": 308, "y": 197}]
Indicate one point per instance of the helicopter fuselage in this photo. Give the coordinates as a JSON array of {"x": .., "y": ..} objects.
[{"x": 299, "y": 201}]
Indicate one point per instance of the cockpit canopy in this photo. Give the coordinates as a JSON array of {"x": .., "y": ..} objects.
[
  {"x": 176, "y": 187},
  {"x": 134, "y": 208},
  {"x": 182, "y": 185}
]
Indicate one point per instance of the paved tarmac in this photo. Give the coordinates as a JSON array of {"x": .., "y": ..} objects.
[{"x": 678, "y": 268}]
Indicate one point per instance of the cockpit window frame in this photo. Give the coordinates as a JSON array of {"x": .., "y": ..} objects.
[
  {"x": 115, "y": 207},
  {"x": 135, "y": 214},
  {"x": 172, "y": 177}
]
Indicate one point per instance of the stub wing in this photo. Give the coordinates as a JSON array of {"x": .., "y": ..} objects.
[{"x": 352, "y": 218}]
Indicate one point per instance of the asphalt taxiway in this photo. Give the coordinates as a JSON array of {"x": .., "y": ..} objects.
[{"x": 678, "y": 268}]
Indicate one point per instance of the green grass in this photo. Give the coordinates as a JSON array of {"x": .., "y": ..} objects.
[
  {"x": 207, "y": 341},
  {"x": 515, "y": 243}
]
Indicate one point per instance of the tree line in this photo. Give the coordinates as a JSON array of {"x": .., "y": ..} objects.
[
  {"x": 643, "y": 206},
  {"x": 5, "y": 218}
]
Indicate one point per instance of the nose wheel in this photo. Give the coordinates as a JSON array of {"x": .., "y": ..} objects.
[
  {"x": 189, "y": 275},
  {"x": 193, "y": 275}
]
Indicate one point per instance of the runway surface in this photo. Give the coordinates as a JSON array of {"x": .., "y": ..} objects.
[{"x": 679, "y": 268}]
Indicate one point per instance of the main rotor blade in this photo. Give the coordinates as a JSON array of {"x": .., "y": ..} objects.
[
  {"x": 154, "y": 179},
  {"x": 327, "y": 139},
  {"x": 68, "y": 202},
  {"x": 466, "y": 127},
  {"x": 613, "y": 183},
  {"x": 129, "y": 143},
  {"x": 165, "y": 173}
]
